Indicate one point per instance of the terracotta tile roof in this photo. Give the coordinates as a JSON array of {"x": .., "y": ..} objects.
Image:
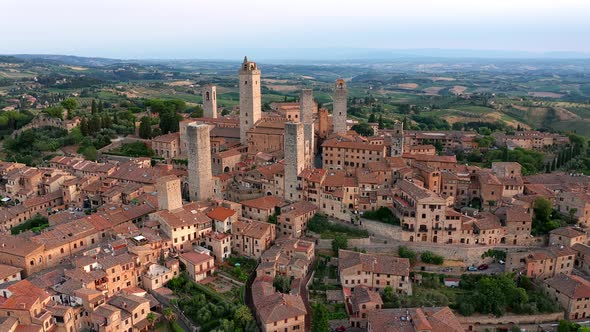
[
  {"x": 414, "y": 319},
  {"x": 362, "y": 295},
  {"x": 195, "y": 258},
  {"x": 6, "y": 271},
  {"x": 342, "y": 144},
  {"x": 264, "y": 202},
  {"x": 571, "y": 286},
  {"x": 24, "y": 296},
  {"x": 416, "y": 191},
  {"x": 298, "y": 208},
  {"x": 582, "y": 249},
  {"x": 127, "y": 302},
  {"x": 18, "y": 246},
  {"x": 188, "y": 215},
  {"x": 272, "y": 306},
  {"x": 375, "y": 263},
  {"x": 568, "y": 232},
  {"x": 228, "y": 153},
  {"x": 220, "y": 213},
  {"x": 251, "y": 228},
  {"x": 167, "y": 138}
]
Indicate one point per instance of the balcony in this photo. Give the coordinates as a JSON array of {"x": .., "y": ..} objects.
[
  {"x": 407, "y": 228},
  {"x": 450, "y": 228},
  {"x": 423, "y": 229}
]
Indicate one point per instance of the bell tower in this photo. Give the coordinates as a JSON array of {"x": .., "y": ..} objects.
[{"x": 250, "y": 98}]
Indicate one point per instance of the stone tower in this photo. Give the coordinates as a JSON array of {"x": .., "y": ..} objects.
[
  {"x": 210, "y": 101},
  {"x": 294, "y": 158},
  {"x": 306, "y": 115},
  {"x": 339, "y": 112},
  {"x": 323, "y": 123},
  {"x": 200, "y": 178},
  {"x": 169, "y": 193},
  {"x": 250, "y": 103},
  {"x": 397, "y": 139}
]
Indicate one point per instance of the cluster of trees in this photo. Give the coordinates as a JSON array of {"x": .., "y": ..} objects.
[
  {"x": 499, "y": 294},
  {"x": 167, "y": 111},
  {"x": 383, "y": 214},
  {"x": 282, "y": 283},
  {"x": 545, "y": 219},
  {"x": 135, "y": 149},
  {"x": 430, "y": 123},
  {"x": 208, "y": 310},
  {"x": 339, "y": 242},
  {"x": 532, "y": 162},
  {"x": 580, "y": 155},
  {"x": 12, "y": 120},
  {"x": 567, "y": 326},
  {"x": 319, "y": 318},
  {"x": 363, "y": 129},
  {"x": 30, "y": 146}
]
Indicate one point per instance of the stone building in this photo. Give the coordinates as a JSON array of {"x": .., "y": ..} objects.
[
  {"x": 359, "y": 302},
  {"x": 251, "y": 238},
  {"x": 292, "y": 222},
  {"x": 339, "y": 112},
  {"x": 250, "y": 98},
  {"x": 294, "y": 159},
  {"x": 374, "y": 271},
  {"x": 167, "y": 146},
  {"x": 574, "y": 203},
  {"x": 199, "y": 266},
  {"x": 541, "y": 263},
  {"x": 210, "y": 101},
  {"x": 199, "y": 162},
  {"x": 350, "y": 153},
  {"x": 572, "y": 292},
  {"x": 567, "y": 236}
]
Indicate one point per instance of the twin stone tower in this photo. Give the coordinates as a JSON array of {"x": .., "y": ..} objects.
[{"x": 299, "y": 145}]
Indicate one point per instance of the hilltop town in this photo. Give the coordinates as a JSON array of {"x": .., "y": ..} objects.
[{"x": 289, "y": 216}]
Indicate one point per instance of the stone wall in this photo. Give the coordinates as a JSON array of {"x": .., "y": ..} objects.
[{"x": 492, "y": 323}]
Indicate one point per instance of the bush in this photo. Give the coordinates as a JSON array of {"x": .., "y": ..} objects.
[
  {"x": 405, "y": 252},
  {"x": 429, "y": 257},
  {"x": 175, "y": 327},
  {"x": 320, "y": 224},
  {"x": 36, "y": 224}
]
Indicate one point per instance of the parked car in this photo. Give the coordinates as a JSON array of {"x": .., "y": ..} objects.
[
  {"x": 501, "y": 262},
  {"x": 483, "y": 267},
  {"x": 472, "y": 268}
]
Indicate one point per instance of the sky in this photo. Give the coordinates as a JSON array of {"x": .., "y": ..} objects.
[{"x": 226, "y": 29}]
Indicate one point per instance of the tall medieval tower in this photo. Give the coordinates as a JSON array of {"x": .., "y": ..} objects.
[
  {"x": 250, "y": 103},
  {"x": 397, "y": 139},
  {"x": 294, "y": 158},
  {"x": 210, "y": 101},
  {"x": 200, "y": 177},
  {"x": 339, "y": 112},
  {"x": 169, "y": 193},
  {"x": 306, "y": 115}
]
